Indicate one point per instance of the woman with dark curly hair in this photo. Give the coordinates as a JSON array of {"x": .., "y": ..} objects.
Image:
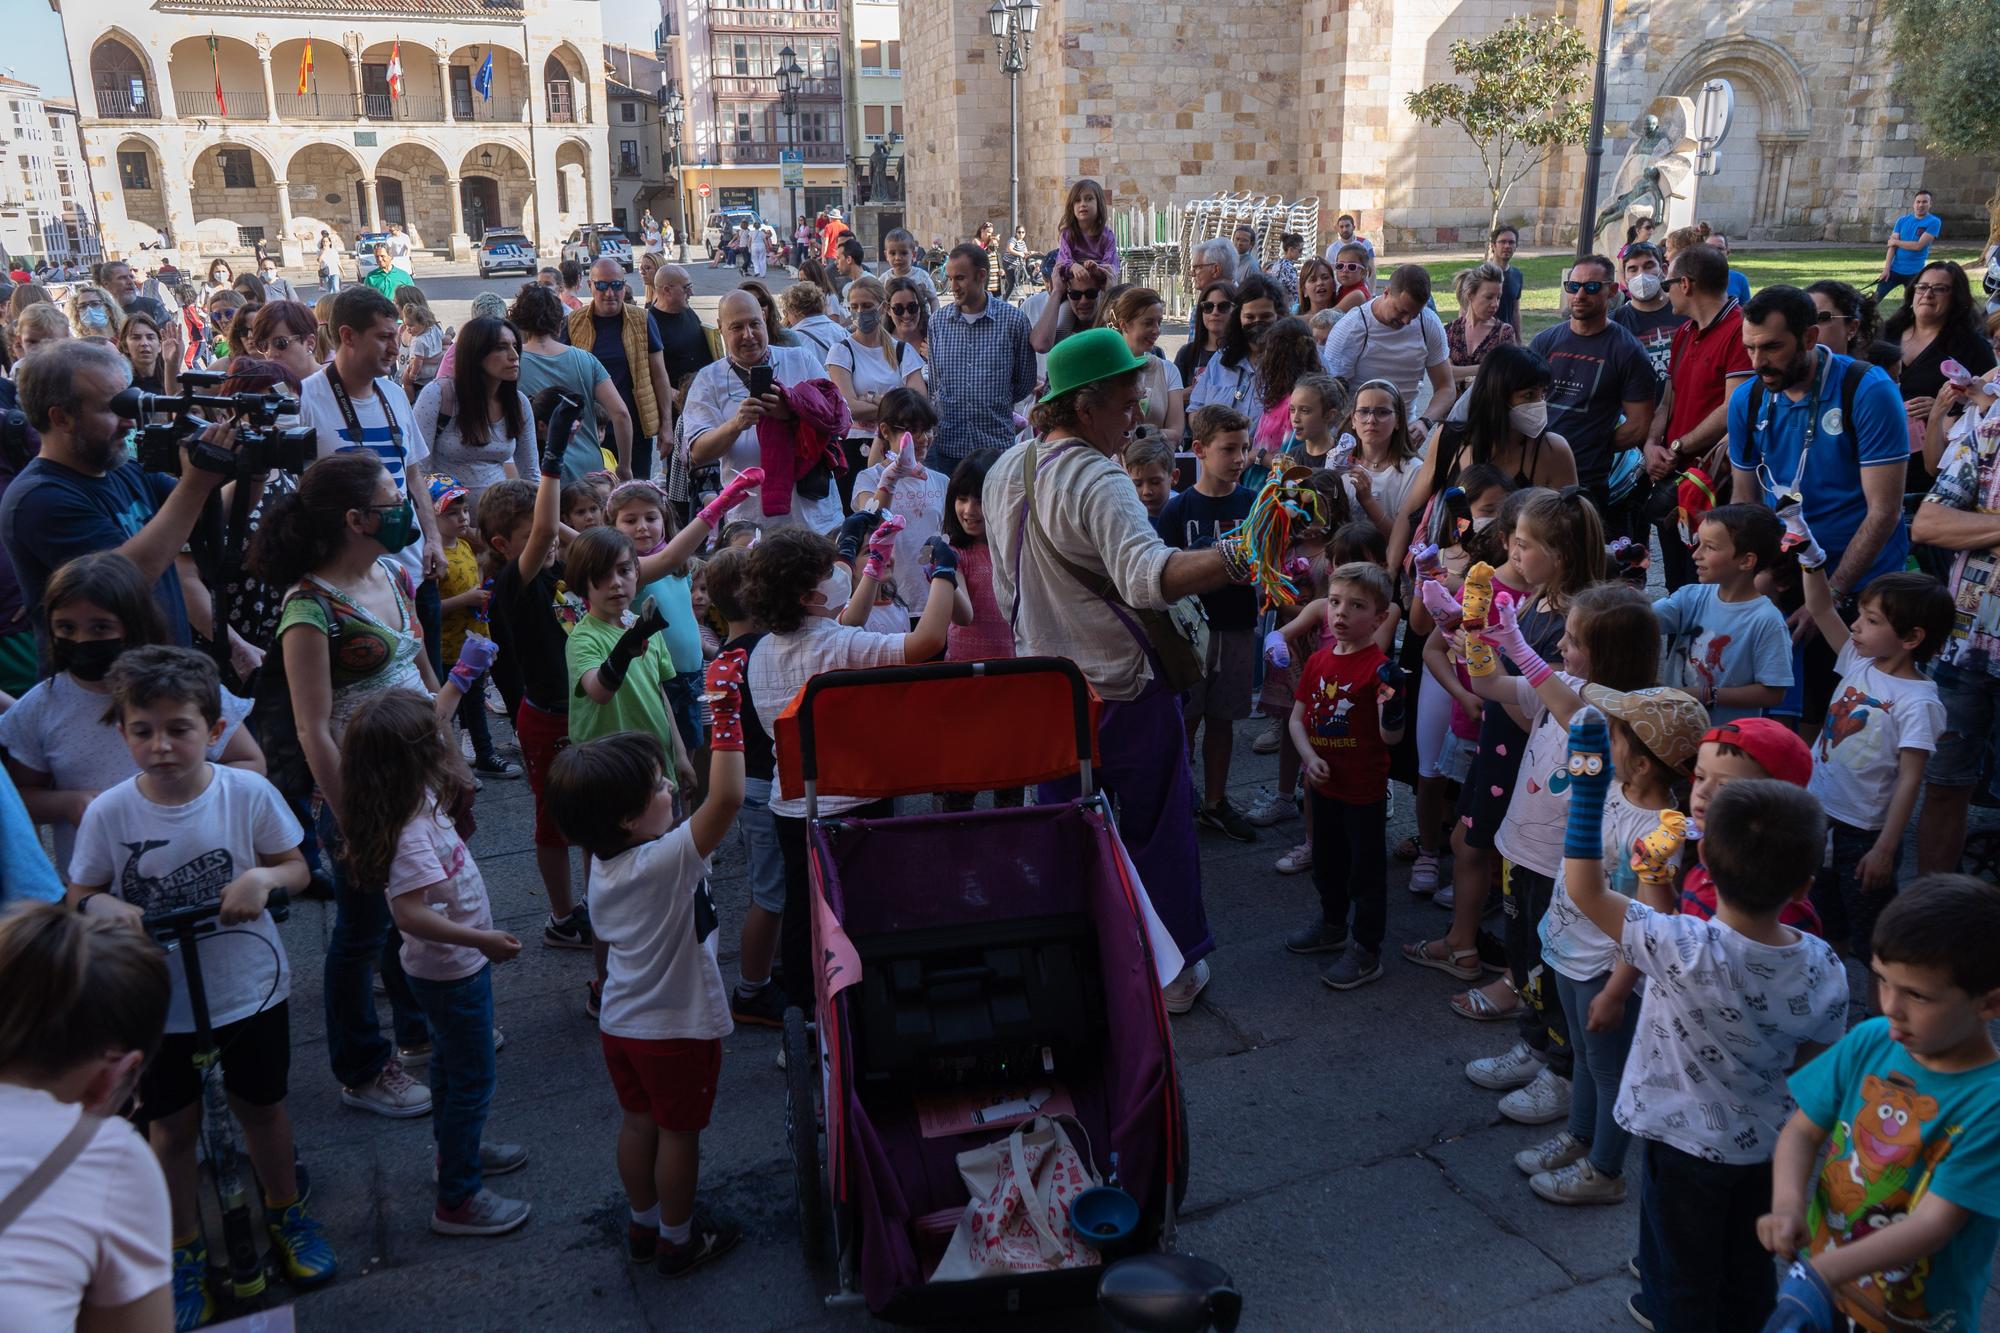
[{"x": 1940, "y": 324}]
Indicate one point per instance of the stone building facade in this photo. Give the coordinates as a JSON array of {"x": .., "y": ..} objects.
[
  {"x": 204, "y": 124},
  {"x": 1166, "y": 100}
]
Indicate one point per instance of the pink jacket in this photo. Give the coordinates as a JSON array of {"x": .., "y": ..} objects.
[{"x": 788, "y": 449}]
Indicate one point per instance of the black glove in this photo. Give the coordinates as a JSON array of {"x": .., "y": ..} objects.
[
  {"x": 562, "y": 420},
  {"x": 941, "y": 557},
  {"x": 854, "y": 534},
  {"x": 1394, "y": 687},
  {"x": 630, "y": 645}
]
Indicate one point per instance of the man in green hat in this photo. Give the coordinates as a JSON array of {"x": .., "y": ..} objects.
[{"x": 1071, "y": 572}]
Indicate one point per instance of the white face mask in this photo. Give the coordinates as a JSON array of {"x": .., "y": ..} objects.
[
  {"x": 1643, "y": 286},
  {"x": 1481, "y": 522},
  {"x": 837, "y": 587},
  {"x": 1531, "y": 418}
]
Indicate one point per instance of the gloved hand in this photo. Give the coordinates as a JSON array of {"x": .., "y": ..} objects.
[
  {"x": 1478, "y": 602},
  {"x": 1956, "y": 374},
  {"x": 1589, "y": 784},
  {"x": 1296, "y": 567},
  {"x": 723, "y": 692},
  {"x": 1276, "y": 651},
  {"x": 1457, "y": 506},
  {"x": 1342, "y": 457},
  {"x": 854, "y": 533},
  {"x": 903, "y": 463},
  {"x": 561, "y": 425},
  {"x": 475, "y": 659},
  {"x": 882, "y": 547},
  {"x": 1805, "y": 1302},
  {"x": 1654, "y": 854},
  {"x": 1390, "y": 693},
  {"x": 1503, "y": 631},
  {"x": 740, "y": 485},
  {"x": 941, "y": 558},
  {"x": 1424, "y": 555},
  {"x": 1798, "y": 537},
  {"x": 1444, "y": 607},
  {"x": 630, "y": 645}
]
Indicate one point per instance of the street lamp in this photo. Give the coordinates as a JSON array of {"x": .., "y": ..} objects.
[
  {"x": 1593, "y": 153},
  {"x": 674, "y": 109},
  {"x": 1012, "y": 23},
  {"x": 789, "y": 76}
]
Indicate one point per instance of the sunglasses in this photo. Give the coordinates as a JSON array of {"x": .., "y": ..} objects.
[
  {"x": 1083, "y": 294},
  {"x": 1671, "y": 282},
  {"x": 1591, "y": 288},
  {"x": 607, "y": 285},
  {"x": 1217, "y": 307},
  {"x": 906, "y": 309},
  {"x": 283, "y": 342},
  {"x": 1347, "y": 268}
]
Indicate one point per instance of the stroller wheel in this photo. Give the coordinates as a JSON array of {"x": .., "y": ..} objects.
[{"x": 802, "y": 1131}]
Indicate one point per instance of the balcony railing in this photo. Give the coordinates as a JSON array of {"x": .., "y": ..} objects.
[
  {"x": 381, "y": 106},
  {"x": 238, "y": 104},
  {"x": 119, "y": 104},
  {"x": 628, "y": 166},
  {"x": 726, "y": 84},
  {"x": 723, "y": 16},
  {"x": 764, "y": 152}
]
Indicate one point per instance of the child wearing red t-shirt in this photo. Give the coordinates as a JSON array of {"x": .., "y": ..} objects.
[{"x": 1346, "y": 714}]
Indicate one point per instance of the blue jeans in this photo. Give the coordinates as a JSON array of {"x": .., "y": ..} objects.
[
  {"x": 1848, "y": 910},
  {"x": 462, "y": 1076},
  {"x": 1700, "y": 1264},
  {"x": 1600, "y": 1062},
  {"x": 363, "y": 938}
]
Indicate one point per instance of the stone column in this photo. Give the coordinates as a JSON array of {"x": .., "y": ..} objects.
[
  {"x": 270, "y": 95},
  {"x": 461, "y": 244},
  {"x": 290, "y": 253},
  {"x": 354, "y": 81},
  {"x": 444, "y": 91},
  {"x": 374, "y": 208},
  {"x": 180, "y": 204}
]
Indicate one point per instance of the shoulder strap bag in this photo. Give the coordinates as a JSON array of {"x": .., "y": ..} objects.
[{"x": 49, "y": 1169}]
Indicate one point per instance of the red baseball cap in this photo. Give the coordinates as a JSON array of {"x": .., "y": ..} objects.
[{"x": 1773, "y": 745}]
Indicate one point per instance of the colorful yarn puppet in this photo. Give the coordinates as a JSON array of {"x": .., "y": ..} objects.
[
  {"x": 1478, "y": 604},
  {"x": 1264, "y": 537}
]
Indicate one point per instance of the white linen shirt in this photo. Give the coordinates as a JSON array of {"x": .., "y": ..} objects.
[
  {"x": 782, "y": 665},
  {"x": 713, "y": 397}
]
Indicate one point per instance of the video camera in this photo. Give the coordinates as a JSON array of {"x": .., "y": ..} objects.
[{"x": 260, "y": 445}]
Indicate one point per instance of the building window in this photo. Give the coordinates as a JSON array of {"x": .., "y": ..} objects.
[
  {"x": 628, "y": 157},
  {"x": 896, "y": 118},
  {"x": 743, "y": 127},
  {"x": 250, "y": 236},
  {"x": 740, "y": 57},
  {"x": 562, "y": 190},
  {"x": 872, "y": 121},
  {"x": 628, "y": 112},
  {"x": 618, "y": 218},
  {"x": 819, "y": 198},
  {"x": 895, "y": 54},
  {"x": 812, "y": 127},
  {"x": 239, "y": 171},
  {"x": 871, "y": 54}
]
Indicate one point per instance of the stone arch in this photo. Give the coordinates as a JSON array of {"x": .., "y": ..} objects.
[
  {"x": 194, "y": 75},
  {"x": 510, "y": 83},
  {"x": 566, "y": 85},
  {"x": 496, "y": 188},
  {"x": 413, "y": 173},
  {"x": 1773, "y": 116},
  {"x": 324, "y": 178},
  {"x": 230, "y": 211},
  {"x": 122, "y": 77},
  {"x": 144, "y": 191},
  {"x": 574, "y": 196}
]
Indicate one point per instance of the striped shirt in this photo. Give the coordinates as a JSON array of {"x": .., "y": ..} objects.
[
  {"x": 981, "y": 365},
  {"x": 319, "y": 411}
]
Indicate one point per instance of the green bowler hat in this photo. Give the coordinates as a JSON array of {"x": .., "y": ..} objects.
[{"x": 1087, "y": 357}]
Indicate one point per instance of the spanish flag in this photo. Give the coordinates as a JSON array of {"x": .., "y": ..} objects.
[{"x": 305, "y": 66}]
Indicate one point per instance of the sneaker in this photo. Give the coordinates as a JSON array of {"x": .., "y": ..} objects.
[
  {"x": 763, "y": 1007},
  {"x": 1296, "y": 861},
  {"x": 1227, "y": 820},
  {"x": 194, "y": 1304},
  {"x": 1356, "y": 966},
  {"x": 1180, "y": 996},
  {"x": 1635, "y": 1305},
  {"x": 495, "y": 1159},
  {"x": 711, "y": 1238},
  {"x": 1543, "y": 1100},
  {"x": 494, "y": 703},
  {"x": 1551, "y": 1154},
  {"x": 641, "y": 1242},
  {"x": 1270, "y": 740},
  {"x": 484, "y": 1214},
  {"x": 593, "y": 997},
  {"x": 1322, "y": 936},
  {"x": 571, "y": 934},
  {"x": 392, "y": 1093},
  {"x": 1632, "y": 1267},
  {"x": 493, "y": 766},
  {"x": 1579, "y": 1182},
  {"x": 1271, "y": 808},
  {"x": 1503, "y": 1073},
  {"x": 1424, "y": 873},
  {"x": 1444, "y": 898},
  {"x": 300, "y": 1246}
]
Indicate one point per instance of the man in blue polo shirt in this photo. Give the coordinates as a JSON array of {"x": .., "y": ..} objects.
[
  {"x": 1909, "y": 247},
  {"x": 1849, "y": 474}
]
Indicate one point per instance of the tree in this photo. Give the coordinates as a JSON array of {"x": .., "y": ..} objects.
[
  {"x": 1527, "y": 100},
  {"x": 1944, "y": 55}
]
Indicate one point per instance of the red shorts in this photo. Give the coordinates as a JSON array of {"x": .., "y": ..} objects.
[
  {"x": 540, "y": 735},
  {"x": 672, "y": 1081}
]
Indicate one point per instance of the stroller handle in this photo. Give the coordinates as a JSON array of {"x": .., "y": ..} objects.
[{"x": 1079, "y": 693}]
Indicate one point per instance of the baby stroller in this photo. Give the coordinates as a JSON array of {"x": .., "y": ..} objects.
[{"x": 995, "y": 954}]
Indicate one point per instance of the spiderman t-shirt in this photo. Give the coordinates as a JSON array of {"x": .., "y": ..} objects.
[
  {"x": 1344, "y": 725},
  {"x": 1874, "y": 717}
]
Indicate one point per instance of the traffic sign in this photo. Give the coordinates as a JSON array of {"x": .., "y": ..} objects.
[
  {"x": 792, "y": 168},
  {"x": 702, "y": 189}
]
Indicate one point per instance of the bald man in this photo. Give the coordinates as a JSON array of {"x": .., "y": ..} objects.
[
  {"x": 722, "y": 415},
  {"x": 686, "y": 344},
  {"x": 621, "y": 336}
]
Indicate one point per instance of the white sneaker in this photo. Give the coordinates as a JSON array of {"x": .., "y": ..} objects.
[
  {"x": 391, "y": 1093},
  {"x": 1551, "y": 1154},
  {"x": 1271, "y": 808},
  {"x": 1297, "y": 860},
  {"x": 1180, "y": 996},
  {"x": 1424, "y": 874},
  {"x": 1579, "y": 1182},
  {"x": 1502, "y": 1073},
  {"x": 1270, "y": 740},
  {"x": 1544, "y": 1099}
]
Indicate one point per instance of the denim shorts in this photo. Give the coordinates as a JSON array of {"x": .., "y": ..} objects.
[
  {"x": 1971, "y": 701},
  {"x": 766, "y": 868}
]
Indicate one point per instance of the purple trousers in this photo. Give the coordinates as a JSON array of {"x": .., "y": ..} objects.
[{"x": 1142, "y": 746}]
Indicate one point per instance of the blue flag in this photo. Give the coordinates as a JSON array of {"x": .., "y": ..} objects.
[{"x": 482, "y": 82}]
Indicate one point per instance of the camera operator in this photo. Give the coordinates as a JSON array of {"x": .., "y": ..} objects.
[
  {"x": 355, "y": 403},
  {"x": 82, "y": 494}
]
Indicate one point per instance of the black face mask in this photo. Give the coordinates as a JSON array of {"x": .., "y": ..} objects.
[{"x": 86, "y": 659}]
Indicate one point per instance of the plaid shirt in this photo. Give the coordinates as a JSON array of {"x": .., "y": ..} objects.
[{"x": 980, "y": 367}]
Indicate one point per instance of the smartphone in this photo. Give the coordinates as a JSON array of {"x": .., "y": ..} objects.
[{"x": 761, "y": 378}]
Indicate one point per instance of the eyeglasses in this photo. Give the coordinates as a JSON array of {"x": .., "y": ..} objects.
[
  {"x": 1083, "y": 293},
  {"x": 1217, "y": 307},
  {"x": 1933, "y": 289},
  {"x": 607, "y": 284},
  {"x": 1829, "y": 316},
  {"x": 1374, "y": 412},
  {"x": 283, "y": 342},
  {"x": 1591, "y": 288},
  {"x": 907, "y": 309}
]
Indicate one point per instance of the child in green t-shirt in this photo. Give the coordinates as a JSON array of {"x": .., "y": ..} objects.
[{"x": 618, "y": 664}]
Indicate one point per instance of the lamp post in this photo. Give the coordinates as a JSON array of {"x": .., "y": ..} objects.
[
  {"x": 789, "y": 76},
  {"x": 1012, "y": 23},
  {"x": 674, "y": 113},
  {"x": 1593, "y": 154}
]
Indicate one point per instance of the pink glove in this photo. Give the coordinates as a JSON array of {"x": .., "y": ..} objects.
[
  {"x": 1958, "y": 375},
  {"x": 1297, "y": 567},
  {"x": 881, "y": 547},
  {"x": 1444, "y": 607},
  {"x": 1503, "y": 631},
  {"x": 740, "y": 485},
  {"x": 1798, "y": 537}
]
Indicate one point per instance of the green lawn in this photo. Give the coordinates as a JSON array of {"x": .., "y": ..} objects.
[{"x": 1856, "y": 264}]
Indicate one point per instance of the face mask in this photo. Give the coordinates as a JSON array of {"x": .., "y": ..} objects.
[
  {"x": 96, "y": 317},
  {"x": 867, "y": 321},
  {"x": 398, "y": 529},
  {"x": 86, "y": 659},
  {"x": 1483, "y": 522},
  {"x": 836, "y": 588},
  {"x": 1643, "y": 286},
  {"x": 1531, "y": 419}
]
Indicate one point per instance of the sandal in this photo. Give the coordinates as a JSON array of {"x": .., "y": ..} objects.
[
  {"x": 1478, "y": 1006},
  {"x": 1460, "y": 963},
  {"x": 1407, "y": 850}
]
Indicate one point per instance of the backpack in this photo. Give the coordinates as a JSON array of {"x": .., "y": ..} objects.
[{"x": 272, "y": 720}]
